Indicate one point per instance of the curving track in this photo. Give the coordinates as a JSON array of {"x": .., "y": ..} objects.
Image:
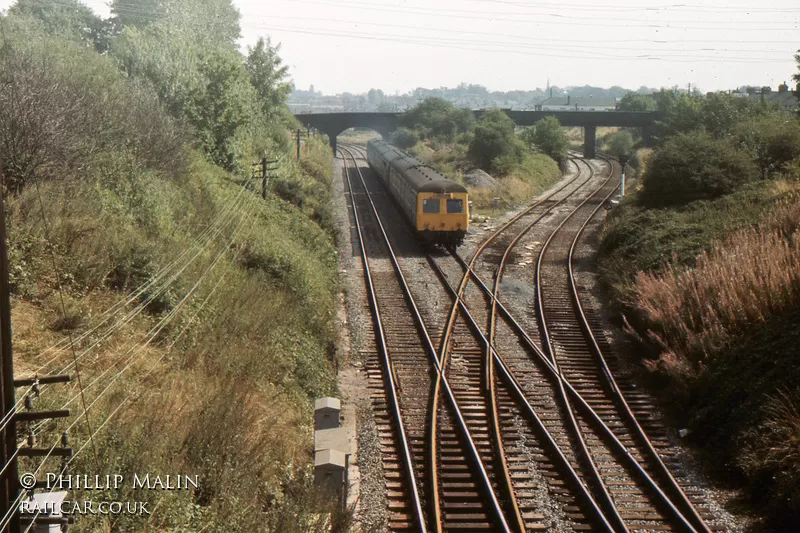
[
  {"x": 515, "y": 421},
  {"x": 408, "y": 363}
]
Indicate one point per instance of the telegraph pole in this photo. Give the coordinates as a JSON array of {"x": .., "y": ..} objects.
[
  {"x": 10, "y": 480},
  {"x": 299, "y": 134},
  {"x": 267, "y": 165}
]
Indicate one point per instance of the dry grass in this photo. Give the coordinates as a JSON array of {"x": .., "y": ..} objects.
[
  {"x": 361, "y": 136},
  {"x": 779, "y": 446},
  {"x": 643, "y": 155},
  {"x": 231, "y": 399},
  {"x": 771, "y": 459},
  {"x": 693, "y": 313},
  {"x": 512, "y": 191},
  {"x": 536, "y": 173}
]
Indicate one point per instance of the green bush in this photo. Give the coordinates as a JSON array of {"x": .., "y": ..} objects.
[
  {"x": 505, "y": 163},
  {"x": 620, "y": 143},
  {"x": 695, "y": 166},
  {"x": 772, "y": 138},
  {"x": 439, "y": 119},
  {"x": 642, "y": 239},
  {"x": 62, "y": 105},
  {"x": 405, "y": 138},
  {"x": 494, "y": 145},
  {"x": 549, "y": 137}
]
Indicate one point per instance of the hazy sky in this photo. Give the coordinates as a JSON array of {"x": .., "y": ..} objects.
[{"x": 354, "y": 45}]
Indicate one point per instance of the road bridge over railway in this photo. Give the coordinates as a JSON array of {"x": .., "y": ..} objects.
[{"x": 332, "y": 124}]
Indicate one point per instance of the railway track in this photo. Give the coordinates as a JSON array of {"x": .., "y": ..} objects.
[
  {"x": 631, "y": 499},
  {"x": 643, "y": 496},
  {"x": 418, "y": 501},
  {"x": 532, "y": 413},
  {"x": 519, "y": 436},
  {"x": 467, "y": 390}
]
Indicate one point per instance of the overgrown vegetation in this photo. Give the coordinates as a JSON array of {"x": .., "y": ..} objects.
[
  {"x": 439, "y": 120},
  {"x": 695, "y": 166},
  {"x": 549, "y": 137},
  {"x": 450, "y": 140},
  {"x": 494, "y": 146},
  {"x": 129, "y": 171},
  {"x": 702, "y": 263}
]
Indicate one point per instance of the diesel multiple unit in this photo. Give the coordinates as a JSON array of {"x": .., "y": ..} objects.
[{"x": 437, "y": 207}]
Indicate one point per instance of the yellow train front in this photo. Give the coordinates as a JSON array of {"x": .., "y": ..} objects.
[{"x": 436, "y": 206}]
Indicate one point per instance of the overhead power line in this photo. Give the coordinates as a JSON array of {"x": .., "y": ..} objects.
[
  {"x": 568, "y": 43},
  {"x": 553, "y": 18},
  {"x": 667, "y": 7},
  {"x": 482, "y": 47}
]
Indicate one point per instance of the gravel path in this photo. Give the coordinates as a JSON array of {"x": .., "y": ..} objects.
[{"x": 355, "y": 324}]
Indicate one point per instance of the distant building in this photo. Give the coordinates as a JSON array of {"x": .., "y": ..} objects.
[
  {"x": 783, "y": 98},
  {"x": 567, "y": 103},
  {"x": 788, "y": 100}
]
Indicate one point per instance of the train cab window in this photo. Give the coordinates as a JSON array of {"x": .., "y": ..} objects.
[
  {"x": 455, "y": 206},
  {"x": 430, "y": 205}
]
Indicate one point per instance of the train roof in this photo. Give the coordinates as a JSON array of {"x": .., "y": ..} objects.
[{"x": 423, "y": 177}]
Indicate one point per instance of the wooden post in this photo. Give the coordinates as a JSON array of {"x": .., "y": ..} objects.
[
  {"x": 9, "y": 484},
  {"x": 299, "y": 133},
  {"x": 264, "y": 177}
]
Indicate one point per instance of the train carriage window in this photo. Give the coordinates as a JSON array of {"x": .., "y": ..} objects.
[
  {"x": 430, "y": 205},
  {"x": 455, "y": 206}
]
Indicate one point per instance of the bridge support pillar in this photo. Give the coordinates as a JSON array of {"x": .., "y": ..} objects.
[
  {"x": 648, "y": 133},
  {"x": 332, "y": 140},
  {"x": 589, "y": 141}
]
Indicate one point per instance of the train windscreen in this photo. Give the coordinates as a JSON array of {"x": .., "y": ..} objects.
[
  {"x": 430, "y": 205},
  {"x": 455, "y": 206}
]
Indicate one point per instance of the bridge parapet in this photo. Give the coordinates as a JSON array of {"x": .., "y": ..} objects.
[{"x": 332, "y": 124}]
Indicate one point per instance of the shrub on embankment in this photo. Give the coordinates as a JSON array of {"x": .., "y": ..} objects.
[
  {"x": 210, "y": 373},
  {"x": 695, "y": 312},
  {"x": 695, "y": 166},
  {"x": 710, "y": 291},
  {"x": 228, "y": 398},
  {"x": 491, "y": 144}
]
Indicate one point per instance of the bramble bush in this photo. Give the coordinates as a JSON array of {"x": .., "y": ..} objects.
[{"x": 695, "y": 166}]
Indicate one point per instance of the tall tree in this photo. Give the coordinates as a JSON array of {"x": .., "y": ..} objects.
[
  {"x": 548, "y": 136},
  {"x": 796, "y": 75},
  {"x": 680, "y": 113},
  {"x": 190, "y": 56},
  {"x": 67, "y": 18},
  {"x": 637, "y": 102},
  {"x": 210, "y": 22},
  {"x": 138, "y": 13},
  {"x": 494, "y": 146},
  {"x": 269, "y": 76},
  {"x": 620, "y": 143},
  {"x": 439, "y": 118},
  {"x": 223, "y": 106}
]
